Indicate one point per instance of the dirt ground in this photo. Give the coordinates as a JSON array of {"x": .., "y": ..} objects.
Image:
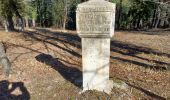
[{"x": 46, "y": 65}]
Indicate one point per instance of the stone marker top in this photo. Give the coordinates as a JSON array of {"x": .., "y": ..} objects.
[
  {"x": 96, "y": 18},
  {"x": 96, "y": 6}
]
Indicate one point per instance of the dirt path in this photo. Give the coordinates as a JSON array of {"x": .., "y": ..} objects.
[{"x": 47, "y": 65}]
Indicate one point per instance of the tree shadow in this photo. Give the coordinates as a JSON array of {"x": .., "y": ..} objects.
[
  {"x": 69, "y": 38},
  {"x": 159, "y": 32},
  {"x": 52, "y": 37},
  {"x": 149, "y": 93},
  {"x": 70, "y": 73},
  {"x": 6, "y": 92},
  {"x": 28, "y": 50},
  {"x": 132, "y": 51}
]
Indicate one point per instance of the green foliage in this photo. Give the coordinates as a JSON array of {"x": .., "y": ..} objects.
[
  {"x": 140, "y": 14},
  {"x": 130, "y": 14},
  {"x": 42, "y": 11},
  {"x": 30, "y": 10},
  {"x": 10, "y": 7},
  {"x": 65, "y": 10},
  {"x": 58, "y": 12},
  {"x": 72, "y": 14}
]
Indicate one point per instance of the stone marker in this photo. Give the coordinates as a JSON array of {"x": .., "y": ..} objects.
[{"x": 95, "y": 26}]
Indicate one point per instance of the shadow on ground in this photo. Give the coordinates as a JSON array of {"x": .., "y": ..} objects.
[
  {"x": 132, "y": 50},
  {"x": 71, "y": 74},
  {"x": 154, "y": 96},
  {"x": 160, "y": 32},
  {"x": 46, "y": 36},
  {"x": 123, "y": 48},
  {"x": 6, "y": 89}
]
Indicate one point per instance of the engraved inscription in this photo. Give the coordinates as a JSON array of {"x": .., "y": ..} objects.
[
  {"x": 92, "y": 18},
  {"x": 93, "y": 9},
  {"x": 94, "y": 28},
  {"x": 94, "y": 22}
]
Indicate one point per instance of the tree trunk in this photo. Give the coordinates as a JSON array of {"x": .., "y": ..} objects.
[
  {"x": 10, "y": 23},
  {"x": 18, "y": 14},
  {"x": 65, "y": 17},
  {"x": 33, "y": 22},
  {"x": 158, "y": 14},
  {"x": 154, "y": 16},
  {"x": 119, "y": 14},
  {"x": 138, "y": 22},
  {"x": 4, "y": 61},
  {"x": 158, "y": 17},
  {"x": 64, "y": 23},
  {"x": 163, "y": 19},
  {"x": 21, "y": 24},
  {"x": 6, "y": 25},
  {"x": 27, "y": 23}
]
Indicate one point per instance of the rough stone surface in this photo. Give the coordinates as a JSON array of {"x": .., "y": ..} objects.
[
  {"x": 95, "y": 25},
  {"x": 96, "y": 18},
  {"x": 95, "y": 63}
]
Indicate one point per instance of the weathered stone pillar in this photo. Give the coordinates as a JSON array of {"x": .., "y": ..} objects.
[{"x": 95, "y": 25}]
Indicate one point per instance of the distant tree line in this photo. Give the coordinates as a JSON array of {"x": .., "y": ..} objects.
[
  {"x": 130, "y": 14},
  {"x": 10, "y": 9},
  {"x": 142, "y": 14}
]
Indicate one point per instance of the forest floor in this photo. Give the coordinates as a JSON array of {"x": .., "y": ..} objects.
[{"x": 46, "y": 65}]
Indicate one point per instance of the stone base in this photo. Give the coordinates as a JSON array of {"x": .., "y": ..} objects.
[{"x": 107, "y": 89}]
